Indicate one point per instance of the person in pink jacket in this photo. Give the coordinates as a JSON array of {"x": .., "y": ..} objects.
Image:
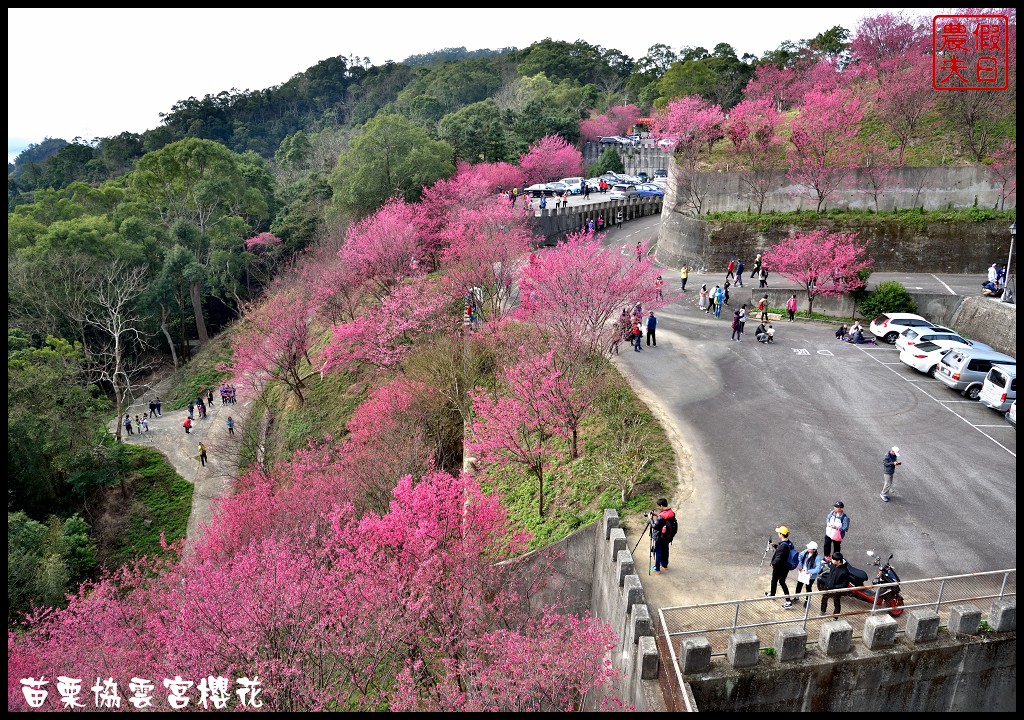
[{"x": 791, "y": 307}]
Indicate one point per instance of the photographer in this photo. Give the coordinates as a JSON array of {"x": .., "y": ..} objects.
[{"x": 663, "y": 529}]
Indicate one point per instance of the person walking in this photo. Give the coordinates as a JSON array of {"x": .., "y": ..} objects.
[
  {"x": 152, "y": 408},
  {"x": 836, "y": 525},
  {"x": 780, "y": 564},
  {"x": 719, "y": 300},
  {"x": 659, "y": 286},
  {"x": 663, "y": 523},
  {"x": 762, "y": 307},
  {"x": 739, "y": 273},
  {"x": 128, "y": 424},
  {"x": 889, "y": 463},
  {"x": 636, "y": 334},
  {"x": 187, "y": 424},
  {"x": 726, "y": 289},
  {"x": 730, "y": 270},
  {"x": 616, "y": 339},
  {"x": 191, "y": 410},
  {"x": 639, "y": 250},
  {"x": 791, "y": 307},
  {"x": 618, "y": 220},
  {"x": 144, "y": 425},
  {"x": 230, "y": 422},
  {"x": 684, "y": 274},
  {"x": 209, "y": 397},
  {"x": 202, "y": 454},
  {"x": 808, "y": 570},
  {"x": 736, "y": 325},
  {"x": 757, "y": 267},
  {"x": 838, "y": 577},
  {"x": 652, "y": 326},
  {"x": 158, "y": 413},
  {"x": 743, "y": 319},
  {"x": 770, "y": 332},
  {"x": 703, "y": 304},
  {"x": 763, "y": 278}
]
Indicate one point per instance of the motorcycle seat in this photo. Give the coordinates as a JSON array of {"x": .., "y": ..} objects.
[{"x": 857, "y": 576}]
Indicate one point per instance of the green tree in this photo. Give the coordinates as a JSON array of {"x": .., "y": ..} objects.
[
  {"x": 471, "y": 131},
  {"x": 391, "y": 158},
  {"x": 609, "y": 160},
  {"x": 890, "y": 296}
]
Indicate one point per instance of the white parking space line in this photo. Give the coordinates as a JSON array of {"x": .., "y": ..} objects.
[
  {"x": 951, "y": 292},
  {"x": 945, "y": 404}
]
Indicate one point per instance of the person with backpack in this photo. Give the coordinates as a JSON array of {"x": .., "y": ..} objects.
[
  {"x": 786, "y": 558},
  {"x": 663, "y": 530},
  {"x": 762, "y": 307}
]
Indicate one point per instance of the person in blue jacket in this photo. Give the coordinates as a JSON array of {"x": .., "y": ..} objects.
[{"x": 808, "y": 570}]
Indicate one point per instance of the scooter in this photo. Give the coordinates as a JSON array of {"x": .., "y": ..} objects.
[{"x": 885, "y": 575}]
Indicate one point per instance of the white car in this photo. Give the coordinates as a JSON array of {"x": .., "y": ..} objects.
[
  {"x": 925, "y": 356},
  {"x": 622, "y": 191},
  {"x": 888, "y": 326},
  {"x": 915, "y": 335}
]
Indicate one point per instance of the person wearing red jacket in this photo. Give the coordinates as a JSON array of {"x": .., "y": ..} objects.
[{"x": 663, "y": 524}]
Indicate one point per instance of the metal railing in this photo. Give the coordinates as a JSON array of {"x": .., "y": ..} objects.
[{"x": 717, "y": 621}]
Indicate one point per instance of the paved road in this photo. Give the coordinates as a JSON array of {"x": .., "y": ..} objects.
[{"x": 775, "y": 434}]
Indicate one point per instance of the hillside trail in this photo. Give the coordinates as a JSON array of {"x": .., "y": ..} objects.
[{"x": 167, "y": 436}]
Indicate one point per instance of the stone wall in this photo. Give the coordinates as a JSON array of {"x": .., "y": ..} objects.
[
  {"x": 930, "y": 188},
  {"x": 935, "y": 247},
  {"x": 989, "y": 320}
]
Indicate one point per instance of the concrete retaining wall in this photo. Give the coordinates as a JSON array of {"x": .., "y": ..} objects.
[
  {"x": 553, "y": 224},
  {"x": 949, "y": 674},
  {"x": 988, "y": 320}
]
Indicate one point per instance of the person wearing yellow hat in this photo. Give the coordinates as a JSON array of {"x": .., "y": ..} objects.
[{"x": 780, "y": 564}]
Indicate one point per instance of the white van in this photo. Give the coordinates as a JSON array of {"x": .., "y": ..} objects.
[
  {"x": 1000, "y": 387},
  {"x": 575, "y": 184}
]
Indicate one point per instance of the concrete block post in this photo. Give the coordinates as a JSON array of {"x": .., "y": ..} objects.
[
  {"x": 626, "y": 566},
  {"x": 617, "y": 540},
  {"x": 790, "y": 644},
  {"x": 642, "y": 626},
  {"x": 1003, "y": 615},
  {"x": 648, "y": 656},
  {"x": 923, "y": 626},
  {"x": 880, "y": 632},
  {"x": 696, "y": 655},
  {"x": 964, "y": 619},
  {"x": 632, "y": 592},
  {"x": 611, "y": 520},
  {"x": 835, "y": 638},
  {"x": 743, "y": 649}
]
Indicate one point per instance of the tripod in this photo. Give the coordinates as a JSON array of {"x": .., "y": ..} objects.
[{"x": 650, "y": 553}]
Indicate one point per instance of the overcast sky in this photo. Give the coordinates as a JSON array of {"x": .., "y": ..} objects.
[{"x": 98, "y": 72}]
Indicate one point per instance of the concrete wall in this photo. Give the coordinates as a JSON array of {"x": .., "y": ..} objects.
[
  {"x": 988, "y": 320},
  {"x": 934, "y": 247},
  {"x": 953, "y": 674},
  {"x": 553, "y": 224},
  {"x": 930, "y": 188},
  {"x": 634, "y": 159}
]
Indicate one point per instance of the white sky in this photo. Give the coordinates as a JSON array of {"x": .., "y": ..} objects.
[{"x": 98, "y": 72}]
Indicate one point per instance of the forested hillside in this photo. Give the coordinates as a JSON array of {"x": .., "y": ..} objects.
[{"x": 341, "y": 237}]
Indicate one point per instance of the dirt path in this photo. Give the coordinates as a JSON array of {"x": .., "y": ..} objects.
[{"x": 182, "y": 450}]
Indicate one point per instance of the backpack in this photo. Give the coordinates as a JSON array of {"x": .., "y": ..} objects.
[
  {"x": 794, "y": 558},
  {"x": 760, "y": 304},
  {"x": 671, "y": 528}
]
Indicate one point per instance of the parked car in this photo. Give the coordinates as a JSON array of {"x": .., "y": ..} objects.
[
  {"x": 594, "y": 184},
  {"x": 616, "y": 140},
  {"x": 649, "y": 190},
  {"x": 925, "y": 356},
  {"x": 622, "y": 191},
  {"x": 888, "y": 326},
  {"x": 965, "y": 369},
  {"x": 668, "y": 143},
  {"x": 999, "y": 390},
  {"x": 549, "y": 189},
  {"x": 914, "y": 335},
  {"x": 660, "y": 173},
  {"x": 644, "y": 177},
  {"x": 575, "y": 184},
  {"x": 1011, "y": 414}
]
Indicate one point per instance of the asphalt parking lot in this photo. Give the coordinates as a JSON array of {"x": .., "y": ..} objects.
[{"x": 775, "y": 434}]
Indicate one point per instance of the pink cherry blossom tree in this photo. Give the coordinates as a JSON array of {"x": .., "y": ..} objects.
[
  {"x": 273, "y": 343},
  {"x": 616, "y": 120},
  {"x": 550, "y": 158},
  {"x": 883, "y": 43},
  {"x": 903, "y": 96},
  {"x": 485, "y": 247},
  {"x": 514, "y": 423},
  {"x": 824, "y": 148},
  {"x": 1003, "y": 171},
  {"x": 772, "y": 84},
  {"x": 382, "y": 336},
  {"x": 753, "y": 129},
  {"x": 571, "y": 291},
  {"x": 823, "y": 263},
  {"x": 695, "y": 125},
  {"x": 383, "y": 247}
]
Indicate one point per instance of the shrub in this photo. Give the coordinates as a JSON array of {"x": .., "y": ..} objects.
[{"x": 890, "y": 296}]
